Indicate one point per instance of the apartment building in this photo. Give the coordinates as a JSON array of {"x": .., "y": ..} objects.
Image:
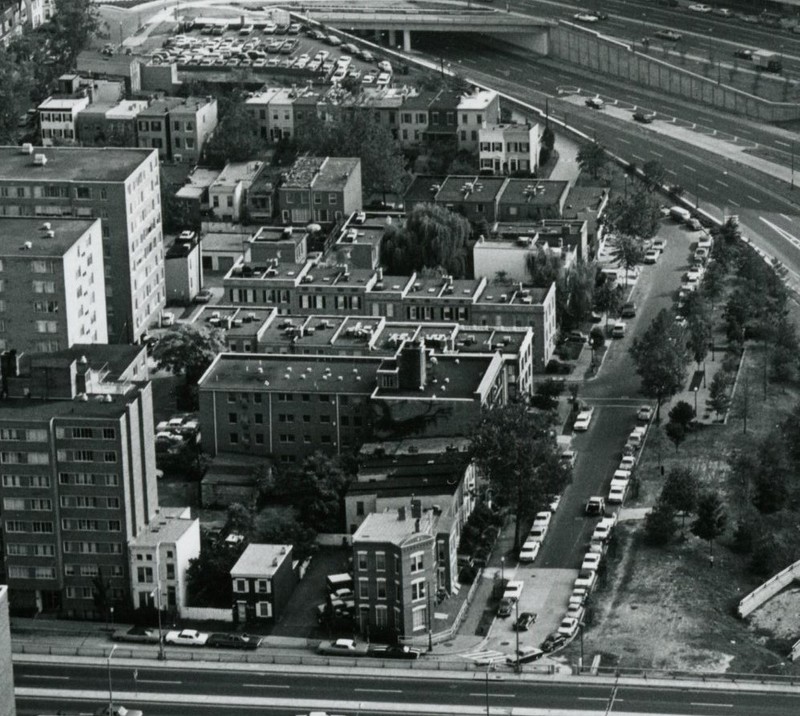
[
  {"x": 121, "y": 188},
  {"x": 258, "y": 107},
  {"x": 475, "y": 197},
  {"x": 183, "y": 269},
  {"x": 532, "y": 200},
  {"x": 263, "y": 581},
  {"x": 227, "y": 194},
  {"x": 78, "y": 478},
  {"x": 400, "y": 557},
  {"x": 475, "y": 111},
  {"x": 177, "y": 127},
  {"x": 159, "y": 557},
  {"x": 320, "y": 189},
  {"x": 52, "y": 286},
  {"x": 13, "y": 19},
  {"x": 509, "y": 148},
  {"x": 7, "y": 702}
]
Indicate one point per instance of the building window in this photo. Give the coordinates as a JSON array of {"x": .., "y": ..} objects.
[
  {"x": 416, "y": 561},
  {"x": 381, "y": 616},
  {"x": 419, "y": 618},
  {"x": 240, "y": 586},
  {"x": 263, "y": 586},
  {"x": 360, "y": 508},
  {"x": 417, "y": 590},
  {"x": 264, "y": 609},
  {"x": 381, "y": 589},
  {"x": 363, "y": 588},
  {"x": 380, "y": 561},
  {"x": 362, "y": 561}
]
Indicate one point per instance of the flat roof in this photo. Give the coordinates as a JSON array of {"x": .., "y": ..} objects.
[
  {"x": 43, "y": 409},
  {"x": 63, "y": 102},
  {"x": 584, "y": 197},
  {"x": 504, "y": 293},
  {"x": 388, "y": 527},
  {"x": 423, "y": 188},
  {"x": 80, "y": 164},
  {"x": 235, "y": 172},
  {"x": 414, "y": 446},
  {"x": 333, "y": 175},
  {"x": 223, "y": 241},
  {"x": 367, "y": 234},
  {"x": 278, "y": 234},
  {"x": 477, "y": 99},
  {"x": 166, "y": 527},
  {"x": 425, "y": 287},
  {"x": 261, "y": 560},
  {"x": 115, "y": 357},
  {"x": 292, "y": 373},
  {"x": 322, "y": 274},
  {"x": 303, "y": 331},
  {"x": 126, "y": 109},
  {"x": 18, "y": 232},
  {"x": 245, "y": 321},
  {"x": 536, "y": 192}
]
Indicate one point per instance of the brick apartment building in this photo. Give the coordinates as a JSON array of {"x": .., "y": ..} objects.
[
  {"x": 320, "y": 189},
  {"x": 121, "y": 188},
  {"x": 52, "y": 287},
  {"x": 78, "y": 475}
]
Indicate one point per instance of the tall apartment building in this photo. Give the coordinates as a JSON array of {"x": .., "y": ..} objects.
[
  {"x": 7, "y": 703},
  {"x": 77, "y": 457},
  {"x": 52, "y": 286},
  {"x": 120, "y": 187}
]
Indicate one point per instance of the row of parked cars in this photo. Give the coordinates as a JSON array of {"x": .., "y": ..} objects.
[{"x": 188, "y": 637}]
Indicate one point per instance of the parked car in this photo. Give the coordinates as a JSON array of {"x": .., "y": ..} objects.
[
  {"x": 586, "y": 578},
  {"x": 579, "y": 596},
  {"x": 233, "y": 641},
  {"x": 701, "y": 255},
  {"x": 617, "y": 492},
  {"x": 743, "y": 54},
  {"x": 651, "y": 256},
  {"x": 659, "y": 245},
  {"x": 529, "y": 551},
  {"x": 576, "y": 337},
  {"x": 599, "y": 546},
  {"x": 136, "y": 635},
  {"x": 553, "y": 642},
  {"x": 525, "y": 655},
  {"x": 393, "y": 651},
  {"x": 700, "y": 7},
  {"x": 628, "y": 310},
  {"x": 602, "y": 530},
  {"x": 342, "y": 647},
  {"x": 537, "y": 534},
  {"x": 644, "y": 117},
  {"x": 524, "y": 620},
  {"x": 555, "y": 501},
  {"x": 385, "y": 66},
  {"x": 694, "y": 224},
  {"x": 568, "y": 458},
  {"x": 595, "y": 506},
  {"x": 542, "y": 519},
  {"x": 645, "y": 414},
  {"x": 585, "y": 17},
  {"x": 568, "y": 627},
  {"x": 167, "y": 319},
  {"x": 627, "y": 463},
  {"x": 186, "y": 637},
  {"x": 591, "y": 560},
  {"x": 618, "y": 331},
  {"x": 203, "y": 296},
  {"x": 506, "y": 607},
  {"x": 583, "y": 420}
]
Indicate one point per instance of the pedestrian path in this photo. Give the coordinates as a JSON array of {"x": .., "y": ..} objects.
[{"x": 484, "y": 656}]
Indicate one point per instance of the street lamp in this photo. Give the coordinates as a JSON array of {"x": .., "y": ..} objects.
[
  {"x": 517, "y": 663},
  {"x": 161, "y": 654},
  {"x": 694, "y": 390},
  {"x": 488, "y": 666},
  {"x": 110, "y": 690},
  {"x": 502, "y": 569},
  {"x": 580, "y": 663}
]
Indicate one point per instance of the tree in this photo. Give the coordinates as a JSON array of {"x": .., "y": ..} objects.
[
  {"x": 208, "y": 577},
  {"x": 239, "y": 519},
  {"x": 655, "y": 174},
  {"x": 627, "y": 252},
  {"x": 718, "y": 397},
  {"x": 680, "y": 492},
  {"x": 578, "y": 285},
  {"x": 75, "y": 22},
  {"x": 659, "y": 524},
  {"x": 318, "y": 490},
  {"x": 785, "y": 351},
  {"x": 546, "y": 395},
  {"x": 281, "y": 525},
  {"x": 660, "y": 358},
  {"x": 547, "y": 144},
  {"x": 711, "y": 519},
  {"x": 676, "y": 433},
  {"x": 177, "y": 215},
  {"x": 714, "y": 282},
  {"x": 592, "y": 158},
  {"x": 517, "y": 453},
  {"x": 597, "y": 340},
  {"x": 433, "y": 237},
  {"x": 699, "y": 332},
  {"x": 236, "y": 138},
  {"x": 682, "y": 413},
  {"x": 636, "y": 216},
  {"x": 16, "y": 81},
  {"x": 771, "y": 475},
  {"x": 189, "y": 350},
  {"x": 608, "y": 298}
]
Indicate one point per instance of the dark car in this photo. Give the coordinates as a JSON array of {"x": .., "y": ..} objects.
[
  {"x": 553, "y": 641},
  {"x": 644, "y": 117},
  {"x": 136, "y": 635},
  {"x": 233, "y": 641},
  {"x": 396, "y": 651},
  {"x": 628, "y": 310},
  {"x": 203, "y": 296},
  {"x": 524, "y": 621},
  {"x": 670, "y": 35},
  {"x": 743, "y": 54}
]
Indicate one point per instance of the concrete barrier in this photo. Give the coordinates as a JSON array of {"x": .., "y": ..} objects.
[{"x": 768, "y": 590}]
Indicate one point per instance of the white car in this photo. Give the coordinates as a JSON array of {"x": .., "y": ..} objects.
[
  {"x": 585, "y": 17},
  {"x": 598, "y": 545},
  {"x": 529, "y": 551},
  {"x": 591, "y": 560},
  {"x": 700, "y": 7},
  {"x": 542, "y": 519},
  {"x": 384, "y": 66},
  {"x": 579, "y": 596},
  {"x": 583, "y": 420},
  {"x": 575, "y": 611},
  {"x": 595, "y": 102},
  {"x": 568, "y": 627},
  {"x": 586, "y": 579},
  {"x": 555, "y": 501},
  {"x": 645, "y": 414},
  {"x": 568, "y": 458},
  {"x": 602, "y": 531},
  {"x": 537, "y": 534},
  {"x": 187, "y": 637},
  {"x": 651, "y": 256},
  {"x": 617, "y": 492},
  {"x": 627, "y": 463},
  {"x": 383, "y": 78}
]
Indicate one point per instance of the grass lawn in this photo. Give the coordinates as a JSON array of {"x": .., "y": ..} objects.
[{"x": 666, "y": 608}]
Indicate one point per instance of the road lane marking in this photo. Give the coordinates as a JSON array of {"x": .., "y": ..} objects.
[
  {"x": 719, "y": 181},
  {"x": 705, "y": 703},
  {"x": 624, "y": 141},
  {"x": 497, "y": 696},
  {"x": 636, "y": 156},
  {"x": 691, "y": 169},
  {"x": 704, "y": 188},
  {"x": 44, "y": 676},
  {"x": 783, "y": 233},
  {"x": 593, "y": 698},
  {"x": 658, "y": 154},
  {"x": 735, "y": 203},
  {"x": 788, "y": 218},
  {"x": 783, "y": 144},
  {"x": 380, "y": 691},
  {"x": 669, "y": 171},
  {"x": 268, "y": 686},
  {"x": 752, "y": 198},
  {"x": 158, "y": 681}
]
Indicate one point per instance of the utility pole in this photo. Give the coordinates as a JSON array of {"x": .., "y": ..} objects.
[
  {"x": 517, "y": 663},
  {"x": 487, "y": 688},
  {"x": 110, "y": 689},
  {"x": 161, "y": 654}
]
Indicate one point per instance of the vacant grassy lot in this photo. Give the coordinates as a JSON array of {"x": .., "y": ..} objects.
[{"x": 665, "y": 607}]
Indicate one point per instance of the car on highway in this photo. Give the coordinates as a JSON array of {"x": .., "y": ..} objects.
[
  {"x": 524, "y": 655},
  {"x": 585, "y": 17},
  {"x": 393, "y": 651},
  {"x": 723, "y": 12},
  {"x": 542, "y": 519},
  {"x": 586, "y": 578},
  {"x": 233, "y": 641},
  {"x": 553, "y": 642},
  {"x": 529, "y": 551},
  {"x": 743, "y": 54},
  {"x": 186, "y": 637},
  {"x": 644, "y": 117},
  {"x": 115, "y": 710},
  {"x": 568, "y": 627},
  {"x": 670, "y": 35},
  {"x": 595, "y": 102},
  {"x": 595, "y": 506},
  {"x": 342, "y": 647},
  {"x": 524, "y": 620},
  {"x": 136, "y": 635},
  {"x": 700, "y": 7},
  {"x": 591, "y": 560},
  {"x": 583, "y": 420}
]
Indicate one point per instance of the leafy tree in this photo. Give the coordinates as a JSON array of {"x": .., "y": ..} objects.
[
  {"x": 546, "y": 395},
  {"x": 785, "y": 350},
  {"x": 75, "y": 22},
  {"x": 547, "y": 144},
  {"x": 278, "y": 525},
  {"x": 660, "y": 358},
  {"x": 711, "y": 519},
  {"x": 790, "y": 430},
  {"x": 680, "y": 491},
  {"x": 771, "y": 475},
  {"x": 517, "y": 452},
  {"x": 433, "y": 237},
  {"x": 578, "y": 285},
  {"x": 635, "y": 216},
  {"x": 682, "y": 413},
  {"x": 676, "y": 433},
  {"x": 655, "y": 174},
  {"x": 608, "y": 298},
  {"x": 699, "y": 332},
  {"x": 627, "y": 252},
  {"x": 714, "y": 282},
  {"x": 236, "y": 138},
  {"x": 208, "y": 577},
  {"x": 16, "y": 81},
  {"x": 176, "y": 214},
  {"x": 597, "y": 339},
  {"x": 318, "y": 490},
  {"x": 718, "y": 397},
  {"x": 239, "y": 519},
  {"x": 189, "y": 350},
  {"x": 592, "y": 158},
  {"x": 659, "y": 524}
]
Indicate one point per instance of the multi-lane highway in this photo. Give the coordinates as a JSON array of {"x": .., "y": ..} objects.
[{"x": 173, "y": 690}]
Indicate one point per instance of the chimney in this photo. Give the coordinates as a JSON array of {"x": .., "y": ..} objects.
[
  {"x": 416, "y": 508},
  {"x": 401, "y": 514},
  {"x": 416, "y": 525}
]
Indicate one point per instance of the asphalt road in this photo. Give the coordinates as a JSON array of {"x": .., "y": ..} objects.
[{"x": 173, "y": 691}]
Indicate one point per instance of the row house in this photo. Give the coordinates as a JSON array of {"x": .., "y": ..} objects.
[
  {"x": 177, "y": 127},
  {"x": 263, "y": 580},
  {"x": 321, "y": 190},
  {"x": 509, "y": 148}
]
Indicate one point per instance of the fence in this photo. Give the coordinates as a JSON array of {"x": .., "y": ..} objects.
[
  {"x": 768, "y": 589},
  {"x": 206, "y": 614}
]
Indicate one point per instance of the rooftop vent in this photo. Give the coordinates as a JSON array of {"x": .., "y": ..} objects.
[{"x": 39, "y": 160}]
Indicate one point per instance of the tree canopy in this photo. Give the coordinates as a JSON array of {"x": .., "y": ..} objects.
[
  {"x": 711, "y": 519},
  {"x": 518, "y": 454},
  {"x": 636, "y": 215},
  {"x": 592, "y": 158},
  {"x": 236, "y": 138},
  {"x": 627, "y": 252},
  {"x": 189, "y": 350}
]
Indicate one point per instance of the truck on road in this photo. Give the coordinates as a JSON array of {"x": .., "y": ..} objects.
[{"x": 767, "y": 61}]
